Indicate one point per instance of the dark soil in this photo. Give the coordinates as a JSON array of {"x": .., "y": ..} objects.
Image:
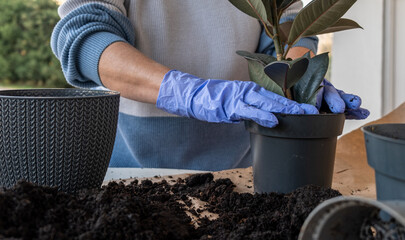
[{"x": 149, "y": 210}]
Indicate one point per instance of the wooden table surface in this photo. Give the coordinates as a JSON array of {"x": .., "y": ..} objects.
[{"x": 352, "y": 175}]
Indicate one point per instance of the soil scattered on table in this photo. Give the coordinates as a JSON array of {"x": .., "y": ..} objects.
[{"x": 148, "y": 210}]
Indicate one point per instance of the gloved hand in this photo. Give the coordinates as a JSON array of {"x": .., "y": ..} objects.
[
  {"x": 339, "y": 102},
  {"x": 224, "y": 101}
]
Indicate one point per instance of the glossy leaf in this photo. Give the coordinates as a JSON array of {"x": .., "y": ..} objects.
[
  {"x": 284, "y": 4},
  {"x": 268, "y": 5},
  {"x": 253, "y": 8},
  {"x": 312, "y": 100},
  {"x": 281, "y": 5},
  {"x": 341, "y": 25},
  {"x": 310, "y": 81},
  {"x": 258, "y": 76},
  {"x": 264, "y": 59},
  {"x": 285, "y": 29},
  {"x": 286, "y": 73},
  {"x": 317, "y": 16}
]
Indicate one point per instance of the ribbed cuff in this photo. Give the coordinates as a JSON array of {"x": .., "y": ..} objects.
[{"x": 89, "y": 56}]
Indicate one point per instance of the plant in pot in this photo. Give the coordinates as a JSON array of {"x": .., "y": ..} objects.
[{"x": 301, "y": 149}]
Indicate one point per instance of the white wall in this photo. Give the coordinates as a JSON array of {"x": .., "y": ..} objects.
[
  {"x": 399, "y": 43},
  {"x": 357, "y": 58}
]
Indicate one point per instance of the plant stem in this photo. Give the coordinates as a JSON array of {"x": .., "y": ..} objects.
[
  {"x": 267, "y": 31},
  {"x": 276, "y": 36},
  {"x": 288, "y": 94},
  {"x": 277, "y": 45},
  {"x": 286, "y": 51},
  {"x": 287, "y": 91}
]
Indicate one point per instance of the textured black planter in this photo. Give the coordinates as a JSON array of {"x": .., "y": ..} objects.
[
  {"x": 57, "y": 137},
  {"x": 385, "y": 145},
  {"x": 300, "y": 150}
]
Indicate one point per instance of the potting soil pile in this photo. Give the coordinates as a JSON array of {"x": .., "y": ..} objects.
[{"x": 156, "y": 210}]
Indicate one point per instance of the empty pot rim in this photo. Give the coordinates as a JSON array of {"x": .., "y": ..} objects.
[
  {"x": 368, "y": 130},
  {"x": 56, "y": 93},
  {"x": 331, "y": 207}
]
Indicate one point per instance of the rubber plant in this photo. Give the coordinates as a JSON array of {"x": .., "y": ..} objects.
[{"x": 297, "y": 79}]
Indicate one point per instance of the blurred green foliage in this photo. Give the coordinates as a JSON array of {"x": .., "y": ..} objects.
[{"x": 26, "y": 57}]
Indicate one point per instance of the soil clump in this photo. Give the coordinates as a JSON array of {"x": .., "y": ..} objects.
[{"x": 161, "y": 210}]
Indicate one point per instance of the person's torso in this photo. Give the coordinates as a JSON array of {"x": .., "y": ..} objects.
[
  {"x": 197, "y": 37},
  {"x": 200, "y": 38}
]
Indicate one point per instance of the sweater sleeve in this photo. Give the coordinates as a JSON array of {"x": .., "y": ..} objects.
[
  {"x": 81, "y": 36},
  {"x": 266, "y": 44}
]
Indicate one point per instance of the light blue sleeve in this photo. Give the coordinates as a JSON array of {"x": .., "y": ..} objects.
[
  {"x": 79, "y": 39},
  {"x": 266, "y": 44}
]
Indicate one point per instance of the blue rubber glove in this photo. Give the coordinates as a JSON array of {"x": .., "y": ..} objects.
[
  {"x": 224, "y": 101},
  {"x": 341, "y": 102}
]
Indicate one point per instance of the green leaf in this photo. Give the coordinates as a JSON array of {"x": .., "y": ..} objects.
[
  {"x": 313, "y": 98},
  {"x": 341, "y": 25},
  {"x": 286, "y": 73},
  {"x": 285, "y": 29},
  {"x": 281, "y": 5},
  {"x": 310, "y": 81},
  {"x": 264, "y": 59},
  {"x": 317, "y": 16},
  {"x": 284, "y": 4},
  {"x": 253, "y": 8},
  {"x": 268, "y": 5},
  {"x": 258, "y": 76},
  {"x": 256, "y": 63}
]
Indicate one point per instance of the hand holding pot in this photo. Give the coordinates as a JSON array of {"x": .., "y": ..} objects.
[
  {"x": 339, "y": 102},
  {"x": 224, "y": 101}
]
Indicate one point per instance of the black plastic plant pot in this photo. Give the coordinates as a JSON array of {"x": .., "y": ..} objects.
[
  {"x": 355, "y": 218},
  {"x": 385, "y": 146},
  {"x": 299, "y": 151},
  {"x": 57, "y": 137}
]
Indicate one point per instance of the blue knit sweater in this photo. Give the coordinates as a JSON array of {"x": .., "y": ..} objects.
[{"x": 197, "y": 37}]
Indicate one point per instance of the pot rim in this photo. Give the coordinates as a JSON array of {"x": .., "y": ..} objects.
[
  {"x": 366, "y": 130},
  {"x": 8, "y": 94},
  {"x": 301, "y": 126},
  {"x": 301, "y": 115},
  {"x": 331, "y": 207}
]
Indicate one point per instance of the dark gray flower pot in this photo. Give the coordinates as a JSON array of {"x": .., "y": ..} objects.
[
  {"x": 57, "y": 137},
  {"x": 350, "y": 218},
  {"x": 385, "y": 145},
  {"x": 299, "y": 151}
]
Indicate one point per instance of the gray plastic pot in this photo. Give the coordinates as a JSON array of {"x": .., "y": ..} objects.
[
  {"x": 385, "y": 145},
  {"x": 299, "y": 151},
  {"x": 57, "y": 137},
  {"x": 345, "y": 218}
]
